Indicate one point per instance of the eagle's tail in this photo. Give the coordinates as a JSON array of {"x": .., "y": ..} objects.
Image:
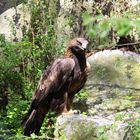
[
  {"x": 30, "y": 124},
  {"x": 26, "y": 117},
  {"x": 33, "y": 120}
]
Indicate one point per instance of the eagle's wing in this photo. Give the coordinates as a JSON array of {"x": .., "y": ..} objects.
[{"x": 56, "y": 76}]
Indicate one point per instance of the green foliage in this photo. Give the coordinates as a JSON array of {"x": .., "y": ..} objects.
[
  {"x": 102, "y": 133},
  {"x": 105, "y": 29},
  {"x": 22, "y": 63},
  {"x": 63, "y": 136},
  {"x": 101, "y": 25},
  {"x": 133, "y": 129},
  {"x": 48, "y": 126},
  {"x": 15, "y": 114},
  {"x": 82, "y": 95}
]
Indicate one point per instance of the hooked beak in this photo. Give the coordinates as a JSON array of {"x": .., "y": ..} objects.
[{"x": 83, "y": 43}]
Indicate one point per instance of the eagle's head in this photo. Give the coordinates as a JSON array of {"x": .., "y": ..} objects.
[{"x": 78, "y": 45}]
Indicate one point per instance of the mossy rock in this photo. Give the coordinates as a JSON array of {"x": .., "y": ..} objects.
[
  {"x": 113, "y": 84},
  {"x": 82, "y": 127}
]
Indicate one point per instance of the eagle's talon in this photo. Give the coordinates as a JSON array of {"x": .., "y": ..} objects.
[
  {"x": 76, "y": 111},
  {"x": 71, "y": 112}
]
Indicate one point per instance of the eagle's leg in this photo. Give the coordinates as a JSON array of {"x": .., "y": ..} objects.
[{"x": 67, "y": 108}]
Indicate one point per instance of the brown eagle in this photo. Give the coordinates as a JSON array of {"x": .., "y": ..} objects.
[{"x": 58, "y": 85}]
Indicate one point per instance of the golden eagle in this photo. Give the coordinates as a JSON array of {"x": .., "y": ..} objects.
[{"x": 58, "y": 85}]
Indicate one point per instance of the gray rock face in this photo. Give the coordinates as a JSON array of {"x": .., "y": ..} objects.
[
  {"x": 81, "y": 127},
  {"x": 13, "y": 19},
  {"x": 70, "y": 127},
  {"x": 113, "y": 84},
  {"x": 115, "y": 68}
]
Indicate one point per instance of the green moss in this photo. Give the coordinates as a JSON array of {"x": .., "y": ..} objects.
[{"x": 79, "y": 129}]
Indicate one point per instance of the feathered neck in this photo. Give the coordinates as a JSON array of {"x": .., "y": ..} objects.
[
  {"x": 80, "y": 58},
  {"x": 68, "y": 53}
]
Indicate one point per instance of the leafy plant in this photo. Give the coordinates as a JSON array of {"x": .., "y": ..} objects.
[
  {"x": 133, "y": 129},
  {"x": 23, "y": 62},
  {"x": 82, "y": 95},
  {"x": 106, "y": 29}
]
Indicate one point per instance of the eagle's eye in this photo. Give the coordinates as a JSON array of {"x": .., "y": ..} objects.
[
  {"x": 80, "y": 44},
  {"x": 77, "y": 47}
]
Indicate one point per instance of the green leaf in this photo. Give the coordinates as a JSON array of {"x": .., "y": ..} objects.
[{"x": 87, "y": 19}]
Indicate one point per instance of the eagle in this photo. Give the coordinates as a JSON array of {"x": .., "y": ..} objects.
[{"x": 58, "y": 85}]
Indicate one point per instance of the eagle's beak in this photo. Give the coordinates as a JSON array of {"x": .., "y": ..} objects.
[{"x": 84, "y": 45}]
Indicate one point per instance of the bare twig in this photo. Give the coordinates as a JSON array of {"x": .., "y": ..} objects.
[{"x": 135, "y": 43}]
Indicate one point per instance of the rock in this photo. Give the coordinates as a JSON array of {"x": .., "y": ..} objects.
[
  {"x": 113, "y": 83},
  {"x": 70, "y": 127},
  {"x": 81, "y": 127},
  {"x": 115, "y": 68},
  {"x": 135, "y": 2},
  {"x": 14, "y": 20}
]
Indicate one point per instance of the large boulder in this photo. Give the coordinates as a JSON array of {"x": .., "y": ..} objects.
[
  {"x": 82, "y": 127},
  {"x": 113, "y": 84}
]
